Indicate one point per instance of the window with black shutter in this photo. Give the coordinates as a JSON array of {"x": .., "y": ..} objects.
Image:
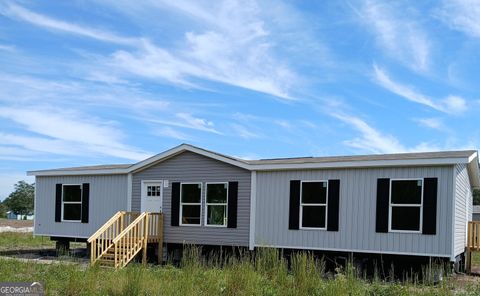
[
  {"x": 406, "y": 204},
  {"x": 313, "y": 204}
]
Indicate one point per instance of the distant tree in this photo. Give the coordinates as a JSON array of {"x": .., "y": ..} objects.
[
  {"x": 3, "y": 210},
  {"x": 476, "y": 197},
  {"x": 20, "y": 201}
]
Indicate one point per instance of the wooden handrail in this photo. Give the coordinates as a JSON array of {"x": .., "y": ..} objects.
[
  {"x": 132, "y": 239},
  {"x": 124, "y": 235},
  {"x": 473, "y": 236},
  {"x": 473, "y": 243},
  {"x": 105, "y": 226},
  {"x": 102, "y": 240},
  {"x": 129, "y": 227}
]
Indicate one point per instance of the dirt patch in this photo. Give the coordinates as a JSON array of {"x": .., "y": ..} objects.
[
  {"x": 48, "y": 256},
  {"x": 16, "y": 223}
]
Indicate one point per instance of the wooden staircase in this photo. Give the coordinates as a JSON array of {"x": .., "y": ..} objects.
[
  {"x": 122, "y": 237},
  {"x": 473, "y": 243}
]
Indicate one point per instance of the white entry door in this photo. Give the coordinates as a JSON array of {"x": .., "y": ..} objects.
[{"x": 152, "y": 196}]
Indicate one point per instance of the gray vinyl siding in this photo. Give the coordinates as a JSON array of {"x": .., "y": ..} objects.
[
  {"x": 108, "y": 195},
  {"x": 356, "y": 214},
  {"x": 463, "y": 207},
  {"x": 191, "y": 167}
]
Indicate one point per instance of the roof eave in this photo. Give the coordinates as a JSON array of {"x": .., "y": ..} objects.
[
  {"x": 363, "y": 164},
  {"x": 474, "y": 171},
  {"x": 77, "y": 172},
  {"x": 471, "y": 160}
]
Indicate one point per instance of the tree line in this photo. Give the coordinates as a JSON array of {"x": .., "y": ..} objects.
[{"x": 20, "y": 201}]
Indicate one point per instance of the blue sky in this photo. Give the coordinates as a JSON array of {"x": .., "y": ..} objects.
[{"x": 85, "y": 83}]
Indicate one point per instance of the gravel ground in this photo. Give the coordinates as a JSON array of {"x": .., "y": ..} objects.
[
  {"x": 17, "y": 229},
  {"x": 7, "y": 225},
  {"x": 16, "y": 223}
]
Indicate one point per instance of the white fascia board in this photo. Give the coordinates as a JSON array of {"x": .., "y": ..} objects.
[
  {"x": 474, "y": 172},
  {"x": 472, "y": 157},
  {"x": 360, "y": 164},
  {"x": 77, "y": 172}
]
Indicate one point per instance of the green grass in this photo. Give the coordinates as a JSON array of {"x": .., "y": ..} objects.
[
  {"x": 264, "y": 275},
  {"x": 476, "y": 258},
  {"x": 22, "y": 241}
]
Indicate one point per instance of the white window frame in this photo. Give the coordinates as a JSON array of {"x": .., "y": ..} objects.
[
  {"x": 316, "y": 204},
  {"x": 73, "y": 202},
  {"x": 420, "y": 205},
  {"x": 191, "y": 204},
  {"x": 225, "y": 221}
]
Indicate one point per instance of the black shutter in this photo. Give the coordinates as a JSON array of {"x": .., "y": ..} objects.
[
  {"x": 430, "y": 206},
  {"x": 232, "y": 204},
  {"x": 333, "y": 204},
  {"x": 383, "y": 195},
  {"x": 58, "y": 203},
  {"x": 85, "y": 201},
  {"x": 175, "y": 204},
  {"x": 293, "y": 219}
]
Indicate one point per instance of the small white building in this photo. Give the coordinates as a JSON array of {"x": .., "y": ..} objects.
[
  {"x": 13, "y": 216},
  {"x": 476, "y": 213}
]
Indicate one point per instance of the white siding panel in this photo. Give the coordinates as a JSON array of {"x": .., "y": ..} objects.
[
  {"x": 358, "y": 189},
  {"x": 108, "y": 195},
  {"x": 463, "y": 207}
]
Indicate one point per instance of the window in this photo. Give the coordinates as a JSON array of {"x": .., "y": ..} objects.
[
  {"x": 153, "y": 190},
  {"x": 406, "y": 198},
  {"x": 190, "y": 203},
  {"x": 216, "y": 204},
  {"x": 72, "y": 203},
  {"x": 313, "y": 204}
]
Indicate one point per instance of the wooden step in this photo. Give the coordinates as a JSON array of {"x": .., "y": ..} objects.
[{"x": 108, "y": 263}]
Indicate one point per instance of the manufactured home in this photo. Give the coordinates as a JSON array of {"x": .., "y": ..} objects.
[{"x": 410, "y": 204}]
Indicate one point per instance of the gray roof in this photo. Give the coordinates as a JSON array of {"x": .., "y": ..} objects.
[
  {"x": 476, "y": 209},
  {"x": 94, "y": 167},
  {"x": 301, "y": 160},
  {"x": 396, "y": 156}
]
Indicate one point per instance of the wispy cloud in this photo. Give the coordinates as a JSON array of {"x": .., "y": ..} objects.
[
  {"x": 169, "y": 132},
  {"x": 433, "y": 123},
  {"x": 16, "y": 11},
  {"x": 462, "y": 15},
  {"x": 66, "y": 133},
  {"x": 372, "y": 140},
  {"x": 451, "y": 104},
  {"x": 187, "y": 120},
  {"x": 243, "y": 132},
  {"x": 9, "y": 48},
  {"x": 399, "y": 35},
  {"x": 234, "y": 49},
  {"x": 196, "y": 122}
]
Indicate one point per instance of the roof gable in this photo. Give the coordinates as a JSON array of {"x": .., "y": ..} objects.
[{"x": 183, "y": 148}]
